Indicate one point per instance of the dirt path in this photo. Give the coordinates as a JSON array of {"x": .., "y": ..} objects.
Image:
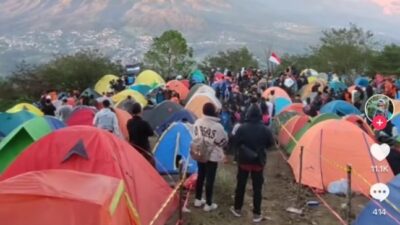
[{"x": 279, "y": 193}]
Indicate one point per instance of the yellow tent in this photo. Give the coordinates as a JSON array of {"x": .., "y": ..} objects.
[
  {"x": 150, "y": 78},
  {"x": 121, "y": 96},
  {"x": 103, "y": 85},
  {"x": 25, "y": 106}
]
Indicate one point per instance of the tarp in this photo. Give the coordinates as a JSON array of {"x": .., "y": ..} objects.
[
  {"x": 196, "y": 103},
  {"x": 340, "y": 108},
  {"x": 65, "y": 197},
  {"x": 329, "y": 147},
  {"x": 173, "y": 145},
  {"x": 178, "y": 87},
  {"x": 10, "y": 121},
  {"x": 92, "y": 150},
  {"x": 150, "y": 78},
  {"x": 25, "y": 106},
  {"x": 90, "y": 91},
  {"x": 103, "y": 85},
  {"x": 279, "y": 92},
  {"x": 197, "y": 77},
  {"x": 372, "y": 213},
  {"x": 20, "y": 138},
  {"x": 141, "y": 88},
  {"x": 137, "y": 96},
  {"x": 281, "y": 104},
  {"x": 81, "y": 116},
  {"x": 181, "y": 115},
  {"x": 156, "y": 116}
]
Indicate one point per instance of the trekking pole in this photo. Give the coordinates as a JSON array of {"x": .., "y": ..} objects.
[
  {"x": 300, "y": 173},
  {"x": 181, "y": 177},
  {"x": 349, "y": 194}
]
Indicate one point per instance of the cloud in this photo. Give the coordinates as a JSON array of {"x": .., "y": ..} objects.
[{"x": 390, "y": 7}]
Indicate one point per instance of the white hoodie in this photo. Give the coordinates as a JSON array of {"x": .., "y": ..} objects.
[{"x": 213, "y": 133}]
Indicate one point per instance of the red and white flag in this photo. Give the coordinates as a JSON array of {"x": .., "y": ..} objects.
[{"x": 275, "y": 59}]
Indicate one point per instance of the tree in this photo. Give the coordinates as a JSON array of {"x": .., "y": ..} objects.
[
  {"x": 170, "y": 55},
  {"x": 387, "y": 61},
  {"x": 233, "y": 60}
]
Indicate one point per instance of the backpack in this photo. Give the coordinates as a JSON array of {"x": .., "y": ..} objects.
[{"x": 200, "y": 150}]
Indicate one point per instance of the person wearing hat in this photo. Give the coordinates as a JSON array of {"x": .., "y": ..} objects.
[{"x": 209, "y": 129}]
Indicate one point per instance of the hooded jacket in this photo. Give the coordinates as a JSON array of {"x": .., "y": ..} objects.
[
  {"x": 213, "y": 133},
  {"x": 254, "y": 134}
]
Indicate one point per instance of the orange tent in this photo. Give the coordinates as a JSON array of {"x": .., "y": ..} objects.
[
  {"x": 306, "y": 90},
  {"x": 279, "y": 93},
  {"x": 329, "y": 147},
  {"x": 295, "y": 107},
  {"x": 290, "y": 129},
  {"x": 178, "y": 87},
  {"x": 123, "y": 117},
  {"x": 360, "y": 122},
  {"x": 92, "y": 150},
  {"x": 196, "y": 103},
  {"x": 64, "y": 197}
]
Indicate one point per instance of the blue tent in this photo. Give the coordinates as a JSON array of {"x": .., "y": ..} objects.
[
  {"x": 340, "y": 108},
  {"x": 197, "y": 77},
  {"x": 179, "y": 116},
  {"x": 337, "y": 86},
  {"x": 372, "y": 213},
  {"x": 10, "y": 121},
  {"x": 396, "y": 121},
  {"x": 281, "y": 104},
  {"x": 141, "y": 88},
  {"x": 54, "y": 123},
  {"x": 174, "y": 144},
  {"x": 361, "y": 81}
]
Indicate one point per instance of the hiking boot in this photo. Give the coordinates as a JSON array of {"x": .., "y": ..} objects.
[
  {"x": 209, "y": 208},
  {"x": 257, "y": 218},
  {"x": 199, "y": 203},
  {"x": 235, "y": 212}
]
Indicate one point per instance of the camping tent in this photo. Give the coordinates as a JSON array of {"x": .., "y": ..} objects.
[
  {"x": 141, "y": 88},
  {"x": 337, "y": 86},
  {"x": 90, "y": 91},
  {"x": 150, "y": 78},
  {"x": 340, "y": 108},
  {"x": 360, "y": 122},
  {"x": 372, "y": 213},
  {"x": 196, "y": 103},
  {"x": 161, "y": 113},
  {"x": 65, "y": 197},
  {"x": 198, "y": 88},
  {"x": 137, "y": 96},
  {"x": 123, "y": 118},
  {"x": 21, "y": 137},
  {"x": 81, "y": 116},
  {"x": 186, "y": 83},
  {"x": 197, "y": 77},
  {"x": 92, "y": 150},
  {"x": 290, "y": 128},
  {"x": 295, "y": 107},
  {"x": 181, "y": 115},
  {"x": 281, "y": 104},
  {"x": 10, "y": 121},
  {"x": 178, "y": 87},
  {"x": 25, "y": 106},
  {"x": 280, "y": 120},
  {"x": 279, "y": 92},
  {"x": 329, "y": 147},
  {"x": 361, "y": 81},
  {"x": 309, "y": 72},
  {"x": 306, "y": 90},
  {"x": 173, "y": 145},
  {"x": 103, "y": 85}
]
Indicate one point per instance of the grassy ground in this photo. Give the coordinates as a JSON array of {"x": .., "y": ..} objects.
[{"x": 280, "y": 192}]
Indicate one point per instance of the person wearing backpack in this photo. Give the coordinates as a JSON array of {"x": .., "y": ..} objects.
[
  {"x": 252, "y": 139},
  {"x": 211, "y": 134}
]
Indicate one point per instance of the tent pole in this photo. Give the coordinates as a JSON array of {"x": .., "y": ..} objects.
[
  {"x": 349, "y": 194},
  {"x": 300, "y": 173}
]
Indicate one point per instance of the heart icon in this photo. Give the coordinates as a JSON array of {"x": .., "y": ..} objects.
[{"x": 380, "y": 152}]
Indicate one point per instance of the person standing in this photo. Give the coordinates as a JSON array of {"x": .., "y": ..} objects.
[
  {"x": 252, "y": 139},
  {"x": 48, "y": 108},
  {"x": 209, "y": 130},
  {"x": 107, "y": 120},
  {"x": 139, "y": 132},
  {"x": 64, "y": 111}
]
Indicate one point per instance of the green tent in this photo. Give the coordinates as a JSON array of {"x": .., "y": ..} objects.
[
  {"x": 20, "y": 138},
  {"x": 315, "y": 120},
  {"x": 281, "y": 120}
]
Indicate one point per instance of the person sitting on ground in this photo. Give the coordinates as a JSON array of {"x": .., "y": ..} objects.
[
  {"x": 252, "y": 139},
  {"x": 209, "y": 130},
  {"x": 107, "y": 120},
  {"x": 48, "y": 108},
  {"x": 139, "y": 132},
  {"x": 64, "y": 111}
]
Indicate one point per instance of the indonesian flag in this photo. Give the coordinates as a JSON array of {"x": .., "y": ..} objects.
[{"x": 275, "y": 59}]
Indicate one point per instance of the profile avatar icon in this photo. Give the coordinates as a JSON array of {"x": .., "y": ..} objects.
[{"x": 379, "y": 106}]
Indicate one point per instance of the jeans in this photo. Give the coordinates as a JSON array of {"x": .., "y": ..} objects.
[
  {"x": 206, "y": 172},
  {"x": 258, "y": 181}
]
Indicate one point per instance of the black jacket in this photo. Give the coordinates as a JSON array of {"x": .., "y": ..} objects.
[
  {"x": 253, "y": 134},
  {"x": 139, "y": 133}
]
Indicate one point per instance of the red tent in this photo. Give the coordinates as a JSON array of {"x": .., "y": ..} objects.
[
  {"x": 92, "y": 150},
  {"x": 186, "y": 83},
  {"x": 81, "y": 116}
]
